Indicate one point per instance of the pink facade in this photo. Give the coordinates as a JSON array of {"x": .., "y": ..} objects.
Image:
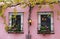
[{"x": 33, "y": 27}]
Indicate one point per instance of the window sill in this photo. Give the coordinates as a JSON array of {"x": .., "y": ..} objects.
[
  {"x": 11, "y": 32},
  {"x": 45, "y": 33}
]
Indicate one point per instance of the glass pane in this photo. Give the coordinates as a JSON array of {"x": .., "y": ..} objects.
[
  {"x": 16, "y": 22},
  {"x": 46, "y": 21}
]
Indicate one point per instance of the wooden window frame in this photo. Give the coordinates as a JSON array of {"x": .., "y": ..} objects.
[
  {"x": 22, "y": 16},
  {"x": 52, "y": 20}
]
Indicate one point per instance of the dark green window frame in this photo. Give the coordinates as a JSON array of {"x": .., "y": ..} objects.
[
  {"x": 18, "y": 27},
  {"x": 41, "y": 25}
]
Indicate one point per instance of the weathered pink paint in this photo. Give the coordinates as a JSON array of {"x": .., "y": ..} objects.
[{"x": 33, "y": 28}]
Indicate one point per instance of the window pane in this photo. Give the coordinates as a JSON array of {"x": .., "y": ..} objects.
[
  {"x": 17, "y": 22},
  {"x": 46, "y": 21}
]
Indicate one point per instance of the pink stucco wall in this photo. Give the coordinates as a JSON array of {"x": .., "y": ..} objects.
[{"x": 33, "y": 28}]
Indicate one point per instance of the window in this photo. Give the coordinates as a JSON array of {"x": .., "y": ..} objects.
[
  {"x": 16, "y": 23},
  {"x": 45, "y": 22}
]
